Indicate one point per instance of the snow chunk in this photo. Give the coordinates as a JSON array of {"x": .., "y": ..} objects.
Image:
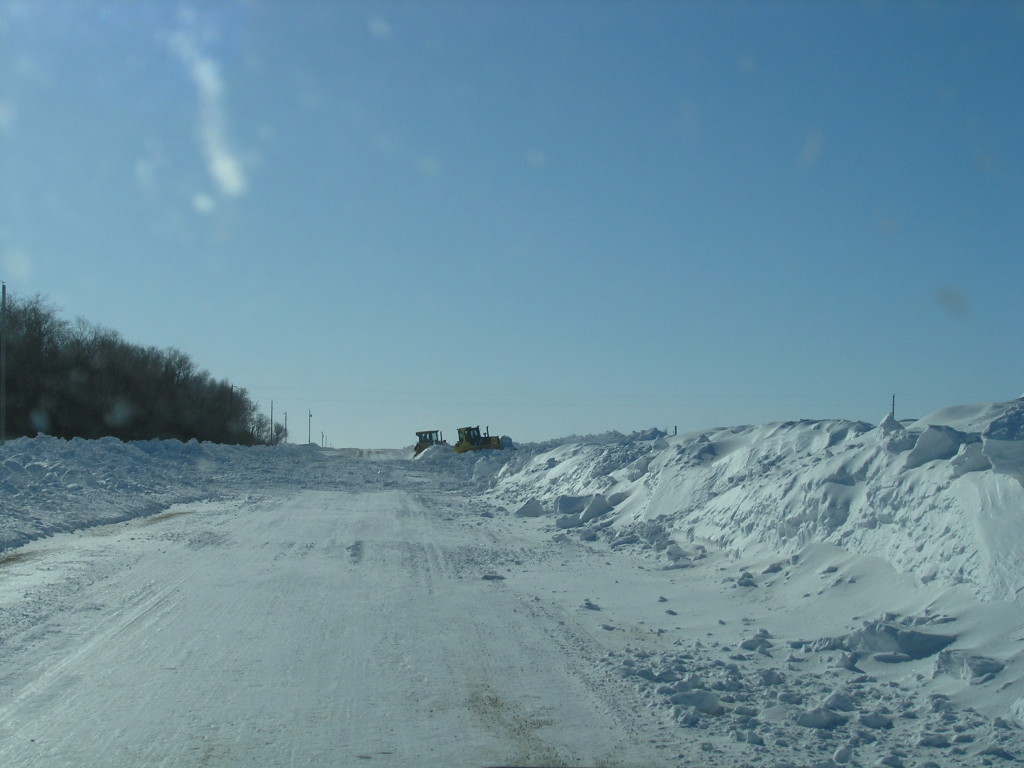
[
  {"x": 1009, "y": 426},
  {"x": 966, "y": 665},
  {"x": 890, "y": 640},
  {"x": 532, "y": 508},
  {"x": 597, "y": 506},
  {"x": 569, "y": 505},
  {"x": 935, "y": 443},
  {"x": 704, "y": 702},
  {"x": 1004, "y": 442},
  {"x": 821, "y": 718},
  {"x": 568, "y": 521}
]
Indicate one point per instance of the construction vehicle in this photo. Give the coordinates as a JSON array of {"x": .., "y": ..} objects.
[
  {"x": 470, "y": 439},
  {"x": 426, "y": 439}
]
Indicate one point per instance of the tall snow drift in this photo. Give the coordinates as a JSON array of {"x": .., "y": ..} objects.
[{"x": 941, "y": 498}]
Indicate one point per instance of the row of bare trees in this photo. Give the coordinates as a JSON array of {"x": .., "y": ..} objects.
[{"x": 78, "y": 380}]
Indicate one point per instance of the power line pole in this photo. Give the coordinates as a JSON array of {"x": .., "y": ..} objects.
[
  {"x": 285, "y": 438},
  {"x": 309, "y": 434}
]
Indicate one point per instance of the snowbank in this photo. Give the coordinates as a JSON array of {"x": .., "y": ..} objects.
[
  {"x": 941, "y": 498},
  {"x": 49, "y": 485}
]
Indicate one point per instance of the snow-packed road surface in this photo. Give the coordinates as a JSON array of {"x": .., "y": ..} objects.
[
  {"x": 806, "y": 594},
  {"x": 298, "y": 629}
]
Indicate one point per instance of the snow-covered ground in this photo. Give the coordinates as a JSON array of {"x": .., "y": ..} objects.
[{"x": 813, "y": 593}]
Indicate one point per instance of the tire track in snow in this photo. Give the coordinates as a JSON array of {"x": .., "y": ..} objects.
[
  {"x": 144, "y": 609},
  {"x": 403, "y": 654},
  {"x": 529, "y": 675}
]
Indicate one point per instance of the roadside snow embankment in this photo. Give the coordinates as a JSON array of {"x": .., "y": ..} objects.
[
  {"x": 49, "y": 485},
  {"x": 940, "y": 498}
]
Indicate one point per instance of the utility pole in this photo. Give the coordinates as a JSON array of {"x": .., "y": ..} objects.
[
  {"x": 323, "y": 440},
  {"x": 3, "y": 363},
  {"x": 272, "y": 441},
  {"x": 309, "y": 431},
  {"x": 893, "y": 411},
  {"x": 286, "y": 426}
]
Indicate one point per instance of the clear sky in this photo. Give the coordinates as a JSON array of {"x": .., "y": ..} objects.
[{"x": 546, "y": 217}]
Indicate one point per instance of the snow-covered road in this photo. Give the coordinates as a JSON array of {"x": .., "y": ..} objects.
[{"x": 302, "y": 628}]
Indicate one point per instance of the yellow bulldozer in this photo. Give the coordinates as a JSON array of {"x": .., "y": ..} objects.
[
  {"x": 427, "y": 438},
  {"x": 470, "y": 439}
]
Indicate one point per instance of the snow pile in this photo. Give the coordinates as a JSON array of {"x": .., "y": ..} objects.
[
  {"x": 830, "y": 592},
  {"x": 49, "y": 485},
  {"x": 941, "y": 498},
  {"x": 800, "y": 711}
]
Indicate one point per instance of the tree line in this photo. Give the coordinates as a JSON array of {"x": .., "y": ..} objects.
[{"x": 79, "y": 380}]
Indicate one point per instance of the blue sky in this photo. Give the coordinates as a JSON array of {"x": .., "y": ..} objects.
[{"x": 546, "y": 217}]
